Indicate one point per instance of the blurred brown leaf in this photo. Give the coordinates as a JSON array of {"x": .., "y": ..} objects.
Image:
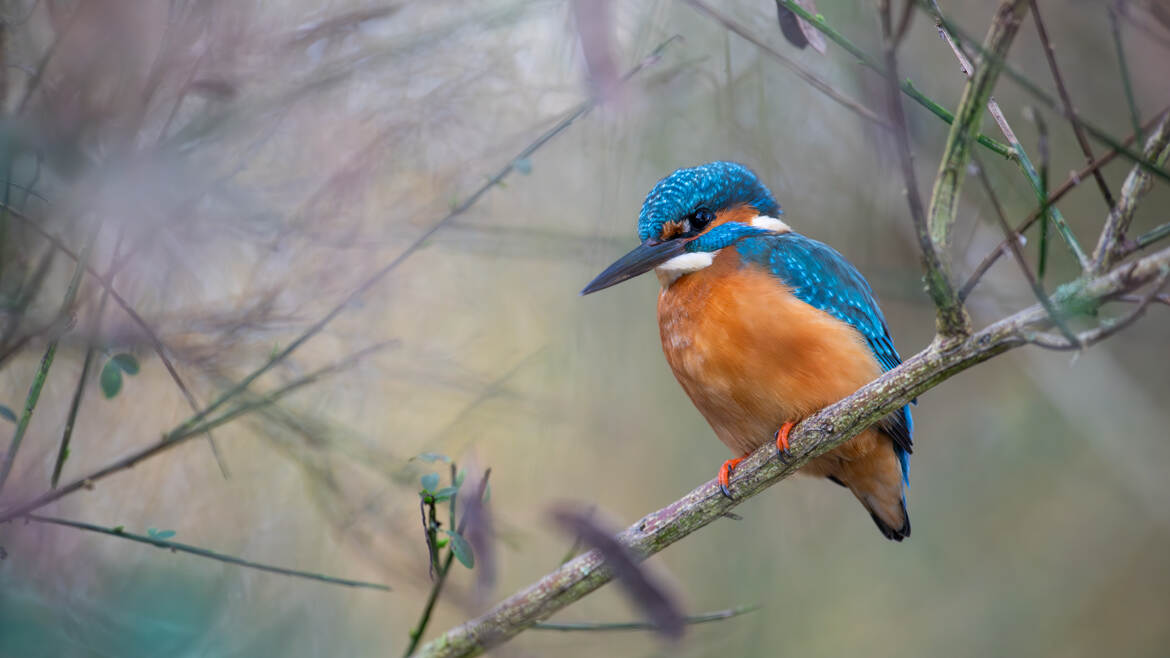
[{"x": 650, "y": 596}]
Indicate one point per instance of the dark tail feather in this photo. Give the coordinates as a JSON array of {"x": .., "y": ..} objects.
[{"x": 896, "y": 534}]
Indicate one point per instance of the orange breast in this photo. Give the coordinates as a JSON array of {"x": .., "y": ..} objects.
[{"x": 752, "y": 356}]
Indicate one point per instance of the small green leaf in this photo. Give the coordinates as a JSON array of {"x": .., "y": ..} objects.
[
  {"x": 445, "y": 493},
  {"x": 430, "y": 481},
  {"x": 461, "y": 548},
  {"x": 442, "y": 543},
  {"x": 155, "y": 533},
  {"x": 459, "y": 477},
  {"x": 119, "y": 529},
  {"x": 432, "y": 457},
  {"x": 110, "y": 379},
  {"x": 7, "y": 414},
  {"x": 126, "y": 362}
]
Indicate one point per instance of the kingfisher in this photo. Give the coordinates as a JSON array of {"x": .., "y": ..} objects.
[{"x": 763, "y": 327}]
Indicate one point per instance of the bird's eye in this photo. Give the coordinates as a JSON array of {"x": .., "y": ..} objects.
[{"x": 701, "y": 218}]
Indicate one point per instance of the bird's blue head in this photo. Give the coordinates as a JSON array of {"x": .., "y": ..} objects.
[{"x": 698, "y": 210}]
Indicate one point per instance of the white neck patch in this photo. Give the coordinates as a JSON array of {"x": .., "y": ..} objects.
[
  {"x": 771, "y": 224},
  {"x": 671, "y": 270}
]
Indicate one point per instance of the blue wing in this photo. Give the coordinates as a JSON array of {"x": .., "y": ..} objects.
[{"x": 822, "y": 278}]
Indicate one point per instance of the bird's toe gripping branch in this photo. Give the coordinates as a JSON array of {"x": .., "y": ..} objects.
[
  {"x": 725, "y": 474},
  {"x": 782, "y": 442}
]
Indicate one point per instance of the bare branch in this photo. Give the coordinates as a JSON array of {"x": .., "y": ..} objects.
[
  {"x": 175, "y": 546},
  {"x": 1110, "y": 247},
  {"x": 1014, "y": 245},
  {"x": 1056, "y": 195},
  {"x": 804, "y": 74},
  {"x": 1078, "y": 130},
  {"x": 816, "y": 435},
  {"x": 952, "y": 318}
]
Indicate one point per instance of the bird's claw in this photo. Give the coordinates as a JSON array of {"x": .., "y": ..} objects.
[
  {"x": 781, "y": 437},
  {"x": 725, "y": 475}
]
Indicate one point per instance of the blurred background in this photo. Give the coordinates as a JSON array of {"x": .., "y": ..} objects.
[{"x": 241, "y": 168}]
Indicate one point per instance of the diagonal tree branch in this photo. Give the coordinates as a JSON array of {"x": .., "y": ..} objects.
[{"x": 817, "y": 435}]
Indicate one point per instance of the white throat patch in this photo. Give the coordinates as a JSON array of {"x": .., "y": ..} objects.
[{"x": 671, "y": 270}]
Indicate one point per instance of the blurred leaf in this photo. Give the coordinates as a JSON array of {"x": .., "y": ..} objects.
[
  {"x": 431, "y": 457},
  {"x": 798, "y": 32},
  {"x": 126, "y": 362},
  {"x": 430, "y": 481},
  {"x": 7, "y": 414},
  {"x": 459, "y": 477},
  {"x": 119, "y": 529},
  {"x": 522, "y": 165},
  {"x": 461, "y": 548},
  {"x": 110, "y": 379},
  {"x": 442, "y": 543},
  {"x": 650, "y": 596},
  {"x": 160, "y": 534},
  {"x": 445, "y": 493}
]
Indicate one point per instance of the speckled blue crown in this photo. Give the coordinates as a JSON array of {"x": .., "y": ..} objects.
[{"x": 715, "y": 185}]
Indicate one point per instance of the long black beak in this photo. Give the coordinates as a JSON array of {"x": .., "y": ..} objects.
[{"x": 642, "y": 259}]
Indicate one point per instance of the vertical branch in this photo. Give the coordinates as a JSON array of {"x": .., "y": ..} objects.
[
  {"x": 952, "y": 319},
  {"x": 1038, "y": 185},
  {"x": 1137, "y": 184}
]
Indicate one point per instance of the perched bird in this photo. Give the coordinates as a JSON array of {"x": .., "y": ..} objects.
[{"x": 763, "y": 327}]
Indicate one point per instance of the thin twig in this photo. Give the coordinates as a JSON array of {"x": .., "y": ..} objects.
[
  {"x": 1106, "y": 329},
  {"x": 1123, "y": 66},
  {"x": 948, "y": 184},
  {"x": 151, "y": 335},
  {"x": 83, "y": 378},
  {"x": 178, "y": 436},
  {"x": 1111, "y": 245},
  {"x": 375, "y": 278},
  {"x": 42, "y": 373},
  {"x": 1034, "y": 283},
  {"x": 907, "y": 87},
  {"x": 936, "y": 269},
  {"x": 1034, "y": 178},
  {"x": 1040, "y": 95},
  {"x": 1079, "y": 131},
  {"x": 416, "y": 633},
  {"x": 717, "y": 615},
  {"x": 804, "y": 74},
  {"x": 1056, "y": 195},
  {"x": 202, "y": 552}
]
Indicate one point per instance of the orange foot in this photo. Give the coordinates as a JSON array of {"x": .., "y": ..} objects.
[
  {"x": 782, "y": 442},
  {"x": 725, "y": 474}
]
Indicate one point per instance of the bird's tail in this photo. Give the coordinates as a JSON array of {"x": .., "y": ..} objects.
[{"x": 877, "y": 481}]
